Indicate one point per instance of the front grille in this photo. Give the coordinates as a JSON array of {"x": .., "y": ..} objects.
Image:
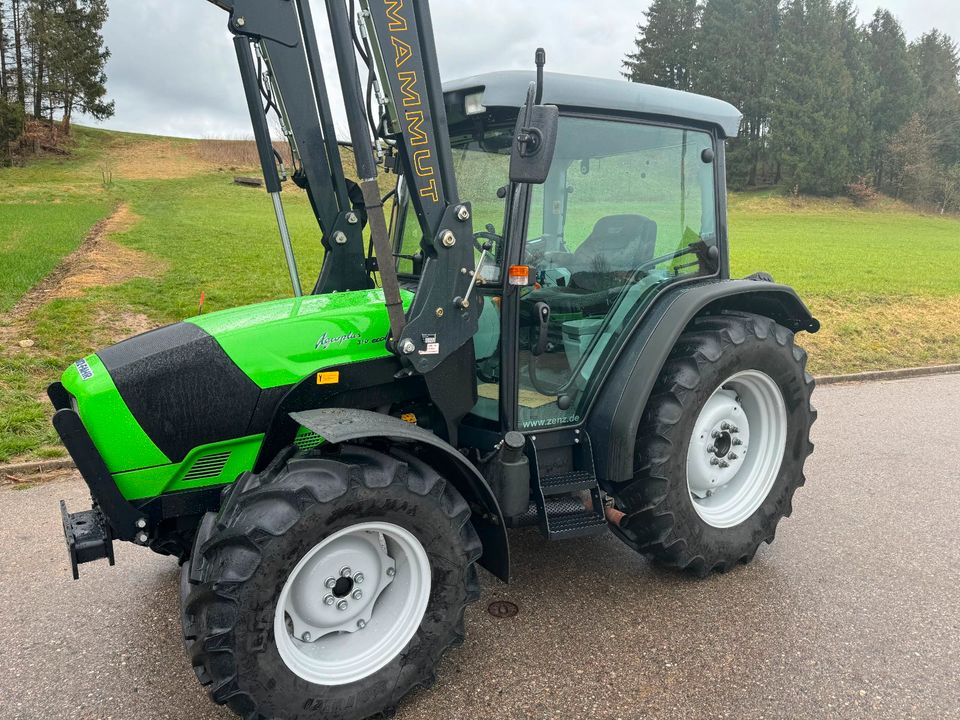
[{"x": 307, "y": 440}]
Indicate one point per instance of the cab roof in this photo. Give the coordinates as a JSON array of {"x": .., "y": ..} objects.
[{"x": 509, "y": 89}]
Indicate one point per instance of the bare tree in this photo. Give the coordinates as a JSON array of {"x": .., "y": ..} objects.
[
  {"x": 17, "y": 11},
  {"x": 4, "y": 90}
]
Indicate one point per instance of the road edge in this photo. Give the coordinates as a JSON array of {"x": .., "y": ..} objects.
[
  {"x": 41, "y": 467},
  {"x": 886, "y": 375}
]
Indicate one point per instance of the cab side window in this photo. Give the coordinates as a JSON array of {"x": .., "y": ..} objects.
[{"x": 628, "y": 208}]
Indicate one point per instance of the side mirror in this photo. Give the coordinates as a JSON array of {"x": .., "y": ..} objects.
[{"x": 534, "y": 141}]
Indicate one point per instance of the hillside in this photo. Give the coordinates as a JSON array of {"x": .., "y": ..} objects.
[{"x": 124, "y": 235}]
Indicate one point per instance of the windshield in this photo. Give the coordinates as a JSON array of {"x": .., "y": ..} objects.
[{"x": 481, "y": 159}]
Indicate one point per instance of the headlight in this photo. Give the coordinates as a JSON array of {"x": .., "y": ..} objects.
[{"x": 473, "y": 104}]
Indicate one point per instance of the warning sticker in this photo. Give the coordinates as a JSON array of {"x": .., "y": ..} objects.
[
  {"x": 432, "y": 349},
  {"x": 328, "y": 378}
]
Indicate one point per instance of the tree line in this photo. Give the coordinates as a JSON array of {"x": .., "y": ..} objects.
[
  {"x": 52, "y": 59},
  {"x": 830, "y": 104}
]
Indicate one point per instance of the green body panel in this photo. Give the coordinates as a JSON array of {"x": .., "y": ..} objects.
[
  {"x": 116, "y": 433},
  {"x": 155, "y": 481},
  {"x": 275, "y": 344},
  {"x": 280, "y": 343}
]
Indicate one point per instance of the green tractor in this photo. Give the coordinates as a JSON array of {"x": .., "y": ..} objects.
[{"x": 566, "y": 350}]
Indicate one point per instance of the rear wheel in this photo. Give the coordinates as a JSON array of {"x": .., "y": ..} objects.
[
  {"x": 330, "y": 587},
  {"x": 722, "y": 446}
]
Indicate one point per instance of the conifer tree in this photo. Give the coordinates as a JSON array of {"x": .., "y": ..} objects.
[
  {"x": 813, "y": 113},
  {"x": 666, "y": 45},
  {"x": 897, "y": 85},
  {"x": 936, "y": 62},
  {"x": 738, "y": 41}
]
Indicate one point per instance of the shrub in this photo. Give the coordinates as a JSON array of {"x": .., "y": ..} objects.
[{"x": 862, "y": 192}]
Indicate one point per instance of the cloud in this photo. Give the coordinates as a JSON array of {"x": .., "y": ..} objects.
[{"x": 173, "y": 68}]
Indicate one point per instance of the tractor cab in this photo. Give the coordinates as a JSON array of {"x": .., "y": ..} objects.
[{"x": 633, "y": 204}]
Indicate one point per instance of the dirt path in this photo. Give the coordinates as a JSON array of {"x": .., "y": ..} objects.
[{"x": 97, "y": 262}]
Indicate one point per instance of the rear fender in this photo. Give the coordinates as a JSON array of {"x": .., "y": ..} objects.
[
  {"x": 338, "y": 426},
  {"x": 618, "y": 410}
]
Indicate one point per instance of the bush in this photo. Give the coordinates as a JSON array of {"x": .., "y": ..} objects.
[
  {"x": 862, "y": 192},
  {"x": 11, "y": 127}
]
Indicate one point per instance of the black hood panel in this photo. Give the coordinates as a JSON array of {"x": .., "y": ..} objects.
[{"x": 182, "y": 388}]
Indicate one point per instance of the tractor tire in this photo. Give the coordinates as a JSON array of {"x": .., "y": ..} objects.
[
  {"x": 721, "y": 447},
  {"x": 328, "y": 587}
]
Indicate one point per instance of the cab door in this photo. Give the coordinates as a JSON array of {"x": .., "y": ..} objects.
[{"x": 629, "y": 208}]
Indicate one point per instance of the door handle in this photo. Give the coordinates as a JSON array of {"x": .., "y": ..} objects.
[{"x": 542, "y": 311}]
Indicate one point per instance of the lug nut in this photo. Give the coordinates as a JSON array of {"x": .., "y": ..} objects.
[
  {"x": 307, "y": 637},
  {"x": 342, "y": 605},
  {"x": 357, "y": 594},
  {"x": 714, "y": 461},
  {"x": 391, "y": 571},
  {"x": 715, "y": 434},
  {"x": 712, "y": 449},
  {"x": 358, "y": 578},
  {"x": 734, "y": 456},
  {"x": 329, "y": 600},
  {"x": 734, "y": 430},
  {"x": 725, "y": 426},
  {"x": 738, "y": 442},
  {"x": 361, "y": 624},
  {"x": 724, "y": 464},
  {"x": 330, "y": 583},
  {"x": 345, "y": 572}
]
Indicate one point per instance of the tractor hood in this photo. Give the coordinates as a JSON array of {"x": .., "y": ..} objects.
[{"x": 150, "y": 400}]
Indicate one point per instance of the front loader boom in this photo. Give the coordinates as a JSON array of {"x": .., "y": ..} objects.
[{"x": 395, "y": 41}]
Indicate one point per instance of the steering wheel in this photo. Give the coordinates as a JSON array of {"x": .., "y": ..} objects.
[{"x": 491, "y": 237}]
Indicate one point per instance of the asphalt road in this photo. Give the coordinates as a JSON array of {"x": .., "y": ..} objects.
[{"x": 854, "y": 612}]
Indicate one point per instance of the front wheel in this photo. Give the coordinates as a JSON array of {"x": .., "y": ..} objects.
[
  {"x": 722, "y": 445},
  {"x": 329, "y": 589}
]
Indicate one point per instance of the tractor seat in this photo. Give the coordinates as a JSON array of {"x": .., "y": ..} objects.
[
  {"x": 616, "y": 247},
  {"x": 605, "y": 261}
]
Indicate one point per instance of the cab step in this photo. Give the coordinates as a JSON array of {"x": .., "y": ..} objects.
[
  {"x": 574, "y": 525},
  {"x": 569, "y": 503},
  {"x": 568, "y": 483}
]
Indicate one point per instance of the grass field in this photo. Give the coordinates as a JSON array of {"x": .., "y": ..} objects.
[{"x": 885, "y": 282}]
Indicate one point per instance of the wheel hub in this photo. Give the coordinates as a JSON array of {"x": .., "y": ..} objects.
[
  {"x": 337, "y": 589},
  {"x": 720, "y": 444}
]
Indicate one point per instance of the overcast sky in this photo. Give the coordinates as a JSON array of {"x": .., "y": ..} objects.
[{"x": 173, "y": 69}]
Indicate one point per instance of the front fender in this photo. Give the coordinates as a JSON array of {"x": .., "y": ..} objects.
[
  {"x": 618, "y": 410},
  {"x": 338, "y": 425}
]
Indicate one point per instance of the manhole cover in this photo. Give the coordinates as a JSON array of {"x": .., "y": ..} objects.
[{"x": 503, "y": 609}]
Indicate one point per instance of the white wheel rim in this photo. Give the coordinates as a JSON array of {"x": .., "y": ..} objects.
[
  {"x": 381, "y": 588},
  {"x": 737, "y": 448}
]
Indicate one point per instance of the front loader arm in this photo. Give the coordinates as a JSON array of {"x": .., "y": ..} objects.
[
  {"x": 436, "y": 334},
  {"x": 282, "y": 35}
]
